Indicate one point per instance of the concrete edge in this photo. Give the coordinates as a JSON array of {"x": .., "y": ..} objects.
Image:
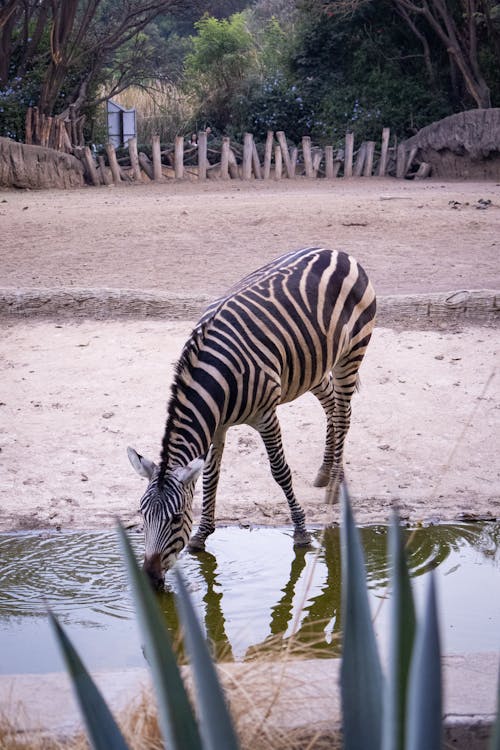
[
  {"x": 466, "y": 305},
  {"x": 300, "y": 698}
]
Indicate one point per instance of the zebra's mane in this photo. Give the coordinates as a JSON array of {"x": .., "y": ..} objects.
[{"x": 183, "y": 370}]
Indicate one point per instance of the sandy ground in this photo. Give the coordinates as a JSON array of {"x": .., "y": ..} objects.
[{"x": 74, "y": 394}]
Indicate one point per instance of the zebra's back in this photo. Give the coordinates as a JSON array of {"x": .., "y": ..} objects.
[{"x": 295, "y": 317}]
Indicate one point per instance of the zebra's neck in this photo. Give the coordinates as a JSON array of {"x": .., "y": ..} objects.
[{"x": 193, "y": 408}]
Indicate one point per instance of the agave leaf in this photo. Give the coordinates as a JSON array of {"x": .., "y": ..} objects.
[
  {"x": 215, "y": 720},
  {"x": 102, "y": 730},
  {"x": 178, "y": 725},
  {"x": 361, "y": 678},
  {"x": 424, "y": 712},
  {"x": 401, "y": 638},
  {"x": 495, "y": 736}
]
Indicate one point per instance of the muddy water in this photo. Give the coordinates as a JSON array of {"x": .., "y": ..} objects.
[{"x": 253, "y": 592}]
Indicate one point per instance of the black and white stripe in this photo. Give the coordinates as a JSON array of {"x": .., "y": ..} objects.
[{"x": 301, "y": 323}]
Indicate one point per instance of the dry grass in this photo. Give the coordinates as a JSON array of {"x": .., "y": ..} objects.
[
  {"x": 161, "y": 108},
  {"x": 260, "y": 693}
]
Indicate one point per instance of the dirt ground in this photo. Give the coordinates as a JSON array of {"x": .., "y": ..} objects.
[{"x": 74, "y": 394}]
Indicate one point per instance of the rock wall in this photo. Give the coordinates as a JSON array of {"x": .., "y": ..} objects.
[
  {"x": 23, "y": 166},
  {"x": 462, "y": 146}
]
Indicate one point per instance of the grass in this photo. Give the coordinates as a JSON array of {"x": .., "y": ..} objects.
[{"x": 161, "y": 109}]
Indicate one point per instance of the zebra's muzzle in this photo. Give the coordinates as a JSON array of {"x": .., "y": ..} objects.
[{"x": 153, "y": 569}]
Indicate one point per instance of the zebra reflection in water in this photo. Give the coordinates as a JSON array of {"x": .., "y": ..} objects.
[{"x": 295, "y": 618}]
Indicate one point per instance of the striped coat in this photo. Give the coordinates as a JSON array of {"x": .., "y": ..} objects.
[{"x": 301, "y": 323}]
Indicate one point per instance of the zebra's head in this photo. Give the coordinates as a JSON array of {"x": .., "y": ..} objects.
[{"x": 166, "y": 508}]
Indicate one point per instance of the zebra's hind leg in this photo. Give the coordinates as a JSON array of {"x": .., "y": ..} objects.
[
  {"x": 325, "y": 394},
  {"x": 345, "y": 378},
  {"x": 211, "y": 472},
  {"x": 270, "y": 432}
]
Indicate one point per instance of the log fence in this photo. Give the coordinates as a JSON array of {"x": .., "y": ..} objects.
[{"x": 202, "y": 157}]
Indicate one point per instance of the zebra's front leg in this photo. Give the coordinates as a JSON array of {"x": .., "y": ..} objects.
[
  {"x": 211, "y": 472},
  {"x": 269, "y": 430}
]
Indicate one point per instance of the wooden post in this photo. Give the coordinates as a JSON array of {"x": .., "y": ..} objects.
[
  {"x": 411, "y": 156},
  {"x": 349, "y": 151},
  {"x": 400, "y": 161},
  {"x": 72, "y": 120},
  {"x": 423, "y": 171},
  {"x": 268, "y": 154},
  {"x": 146, "y": 165},
  {"x": 179, "y": 157},
  {"x": 278, "y": 162},
  {"x": 28, "y": 126},
  {"x": 294, "y": 155},
  {"x": 316, "y": 161},
  {"x": 113, "y": 163},
  {"x": 103, "y": 171},
  {"x": 360, "y": 161},
  {"x": 337, "y": 162},
  {"x": 134, "y": 159},
  {"x": 65, "y": 138},
  {"x": 306, "y": 151},
  {"x": 91, "y": 167},
  {"x": 370, "y": 150},
  {"x": 382, "y": 165},
  {"x": 256, "y": 162},
  {"x": 79, "y": 131},
  {"x": 233, "y": 165},
  {"x": 280, "y": 135},
  {"x": 224, "y": 158},
  {"x": 36, "y": 126},
  {"x": 329, "y": 162},
  {"x": 246, "y": 167},
  {"x": 156, "y": 153},
  {"x": 202, "y": 155}
]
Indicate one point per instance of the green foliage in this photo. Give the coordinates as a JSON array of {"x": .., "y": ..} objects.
[
  {"x": 102, "y": 729},
  {"x": 361, "y": 680},
  {"x": 401, "y": 638},
  {"x": 221, "y": 66}
]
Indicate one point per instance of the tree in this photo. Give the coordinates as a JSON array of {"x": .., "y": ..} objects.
[
  {"x": 221, "y": 65},
  {"x": 459, "y": 27},
  {"x": 55, "y": 53}
]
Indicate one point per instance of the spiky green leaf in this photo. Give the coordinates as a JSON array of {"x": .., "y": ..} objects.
[
  {"x": 401, "y": 640},
  {"x": 177, "y": 720},
  {"x": 495, "y": 736},
  {"x": 361, "y": 674},
  {"x": 424, "y": 711},
  {"x": 216, "y": 724},
  {"x": 102, "y": 730}
]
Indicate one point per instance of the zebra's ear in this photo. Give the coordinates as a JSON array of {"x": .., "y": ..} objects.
[
  {"x": 191, "y": 472},
  {"x": 143, "y": 466}
]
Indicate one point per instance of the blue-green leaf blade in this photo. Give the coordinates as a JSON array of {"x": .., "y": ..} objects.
[
  {"x": 102, "y": 730},
  {"x": 361, "y": 677},
  {"x": 177, "y": 721},
  {"x": 401, "y": 641},
  {"x": 216, "y": 723},
  {"x": 424, "y": 712},
  {"x": 495, "y": 736}
]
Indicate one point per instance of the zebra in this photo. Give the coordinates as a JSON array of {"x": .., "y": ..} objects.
[{"x": 300, "y": 323}]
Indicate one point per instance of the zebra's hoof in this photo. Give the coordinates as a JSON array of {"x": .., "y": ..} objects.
[
  {"x": 302, "y": 539},
  {"x": 322, "y": 478},
  {"x": 196, "y": 545}
]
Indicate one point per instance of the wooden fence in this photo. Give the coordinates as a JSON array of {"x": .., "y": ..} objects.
[{"x": 194, "y": 158}]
